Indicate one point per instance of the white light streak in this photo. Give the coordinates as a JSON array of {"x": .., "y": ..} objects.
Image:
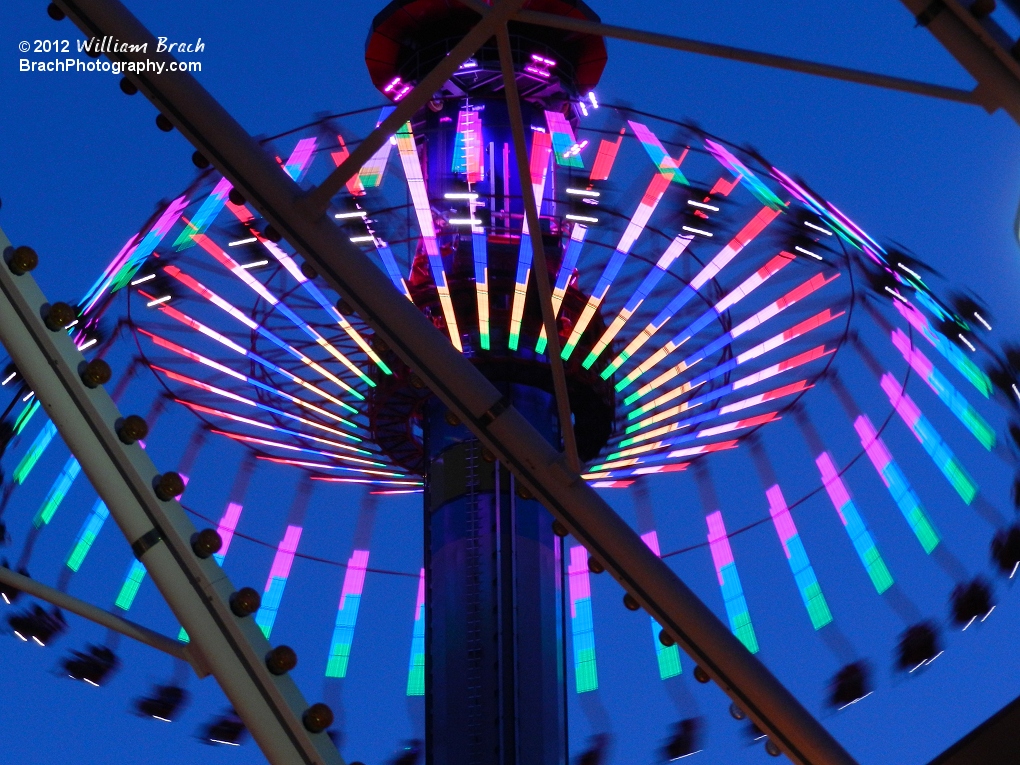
[
  {"x": 464, "y": 222},
  {"x": 594, "y": 101},
  {"x": 461, "y": 195},
  {"x": 157, "y": 301},
  {"x": 1015, "y": 566},
  {"x": 895, "y": 294},
  {"x": 360, "y": 239},
  {"x": 346, "y": 215},
  {"x": 966, "y": 342},
  {"x": 585, "y": 193},
  {"x": 582, "y": 218},
  {"x": 239, "y": 242},
  {"x": 856, "y": 700},
  {"x": 802, "y": 251},
  {"x": 984, "y": 323},
  {"x": 37, "y": 640},
  {"x": 699, "y": 231},
  {"x": 157, "y": 717},
  {"x": 255, "y": 264},
  {"x": 10, "y": 377},
  {"x": 969, "y": 623},
  {"x": 143, "y": 279},
  {"x": 988, "y": 614},
  {"x": 90, "y": 682},
  {"x": 910, "y": 271},
  {"x": 28, "y": 396},
  {"x": 702, "y": 205},
  {"x": 88, "y": 344},
  {"x": 825, "y": 231}
]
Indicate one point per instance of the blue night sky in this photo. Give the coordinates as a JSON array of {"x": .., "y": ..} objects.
[{"x": 82, "y": 167}]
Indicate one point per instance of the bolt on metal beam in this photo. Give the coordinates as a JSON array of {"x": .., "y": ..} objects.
[
  {"x": 197, "y": 590},
  {"x": 462, "y": 388}
]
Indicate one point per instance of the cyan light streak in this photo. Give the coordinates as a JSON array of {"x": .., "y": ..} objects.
[
  {"x": 709, "y": 272},
  {"x": 57, "y": 492},
  {"x": 129, "y": 590},
  {"x": 729, "y": 581},
  {"x": 416, "y": 664},
  {"x": 35, "y": 451},
  {"x": 582, "y": 627},
  {"x": 300, "y": 158},
  {"x": 666, "y": 165},
  {"x": 764, "y": 374},
  {"x": 668, "y": 657},
  {"x": 861, "y": 538},
  {"x": 944, "y": 389},
  {"x": 897, "y": 484},
  {"x": 205, "y": 216},
  {"x": 563, "y": 140},
  {"x": 761, "y": 192},
  {"x": 371, "y": 173},
  {"x": 652, "y": 196},
  {"x": 675, "y": 249},
  {"x": 277, "y": 582},
  {"x": 148, "y": 244},
  {"x": 100, "y": 286},
  {"x": 929, "y": 438},
  {"x": 347, "y": 615},
  {"x": 541, "y": 148},
  {"x": 749, "y": 285},
  {"x": 423, "y": 210},
  {"x": 800, "y": 565},
  {"x": 566, "y": 273},
  {"x": 87, "y": 535},
  {"x": 971, "y": 371}
]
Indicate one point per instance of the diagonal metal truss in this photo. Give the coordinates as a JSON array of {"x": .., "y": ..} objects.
[{"x": 232, "y": 648}]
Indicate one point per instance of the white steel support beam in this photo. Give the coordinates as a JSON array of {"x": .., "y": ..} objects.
[
  {"x": 231, "y": 647},
  {"x": 461, "y": 387}
]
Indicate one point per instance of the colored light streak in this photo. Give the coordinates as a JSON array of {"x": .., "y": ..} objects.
[
  {"x": 392, "y": 269},
  {"x": 729, "y": 427},
  {"x": 275, "y": 444},
  {"x": 252, "y": 325},
  {"x": 57, "y": 492},
  {"x": 97, "y": 290},
  {"x": 189, "y": 354},
  {"x": 300, "y": 158},
  {"x": 929, "y": 438},
  {"x": 746, "y": 235},
  {"x": 581, "y": 625},
  {"x": 365, "y": 481},
  {"x": 354, "y": 186},
  {"x": 35, "y": 451},
  {"x": 316, "y": 294},
  {"x": 257, "y": 404},
  {"x": 668, "y": 657},
  {"x": 736, "y": 406},
  {"x": 541, "y": 148},
  {"x": 861, "y": 538},
  {"x": 148, "y": 244},
  {"x": 277, "y": 581},
  {"x": 565, "y": 146},
  {"x": 480, "y": 252},
  {"x": 729, "y": 581},
  {"x": 347, "y": 615},
  {"x": 761, "y": 192},
  {"x": 770, "y": 311},
  {"x": 675, "y": 249},
  {"x": 467, "y": 147},
  {"x": 944, "y": 389},
  {"x": 615, "y": 476},
  {"x": 749, "y": 285},
  {"x": 566, "y": 273},
  {"x": 276, "y": 429},
  {"x": 327, "y": 466},
  {"x": 605, "y": 158},
  {"x": 423, "y": 210},
  {"x": 666, "y": 165},
  {"x": 606, "y": 471},
  {"x": 650, "y": 200},
  {"x": 800, "y": 565},
  {"x": 226, "y": 528},
  {"x": 897, "y": 484},
  {"x": 764, "y": 374},
  {"x": 205, "y": 216},
  {"x": 87, "y": 535},
  {"x": 132, "y": 582},
  {"x": 944, "y": 346},
  {"x": 416, "y": 665},
  {"x": 25, "y": 416},
  {"x": 371, "y": 174}
]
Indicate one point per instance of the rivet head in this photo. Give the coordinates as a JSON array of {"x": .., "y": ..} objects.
[
  {"x": 317, "y": 718},
  {"x": 168, "y": 486},
  {"x": 21, "y": 260},
  {"x": 132, "y": 428}
]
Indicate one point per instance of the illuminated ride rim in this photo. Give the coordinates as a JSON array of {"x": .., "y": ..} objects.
[{"x": 706, "y": 301}]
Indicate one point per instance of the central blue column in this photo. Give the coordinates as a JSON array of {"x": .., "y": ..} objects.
[{"x": 495, "y": 683}]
